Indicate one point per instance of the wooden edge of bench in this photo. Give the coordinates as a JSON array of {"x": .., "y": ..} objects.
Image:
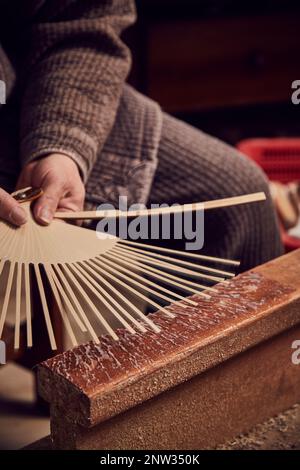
[{"x": 93, "y": 383}]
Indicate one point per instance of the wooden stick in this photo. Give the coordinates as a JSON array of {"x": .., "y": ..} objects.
[
  {"x": 186, "y": 254},
  {"x": 45, "y": 307},
  {"x": 105, "y": 324},
  {"x": 167, "y": 277},
  {"x": 207, "y": 205},
  {"x": 7, "y": 297},
  {"x": 124, "y": 299},
  {"x": 95, "y": 272},
  {"x": 174, "y": 260},
  {"x": 139, "y": 283},
  {"x": 96, "y": 289},
  {"x": 143, "y": 317},
  {"x": 167, "y": 266},
  {"x": 73, "y": 299},
  {"x": 85, "y": 297},
  {"x": 61, "y": 308},
  {"x": 28, "y": 305},
  {"x": 147, "y": 281},
  {"x": 134, "y": 291},
  {"x": 61, "y": 293},
  {"x": 18, "y": 306},
  {"x": 2, "y": 263}
]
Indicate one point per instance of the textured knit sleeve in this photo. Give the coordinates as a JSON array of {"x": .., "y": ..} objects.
[{"x": 75, "y": 71}]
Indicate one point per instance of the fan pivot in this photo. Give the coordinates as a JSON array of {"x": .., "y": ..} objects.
[{"x": 27, "y": 194}]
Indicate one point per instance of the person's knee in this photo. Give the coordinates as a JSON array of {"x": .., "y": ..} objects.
[
  {"x": 258, "y": 180},
  {"x": 249, "y": 177}
]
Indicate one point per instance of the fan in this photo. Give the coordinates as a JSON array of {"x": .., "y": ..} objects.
[{"x": 95, "y": 278}]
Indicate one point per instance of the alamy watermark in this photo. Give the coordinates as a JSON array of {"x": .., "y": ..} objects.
[
  {"x": 2, "y": 352},
  {"x": 295, "y": 97},
  {"x": 2, "y": 92},
  {"x": 182, "y": 225},
  {"x": 296, "y": 353}
]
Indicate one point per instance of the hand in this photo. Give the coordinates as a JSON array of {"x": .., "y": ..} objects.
[
  {"x": 10, "y": 209},
  {"x": 58, "y": 176}
]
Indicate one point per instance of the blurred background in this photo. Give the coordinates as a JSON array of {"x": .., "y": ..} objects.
[{"x": 225, "y": 66}]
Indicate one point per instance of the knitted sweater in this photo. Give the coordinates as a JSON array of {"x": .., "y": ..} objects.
[{"x": 64, "y": 67}]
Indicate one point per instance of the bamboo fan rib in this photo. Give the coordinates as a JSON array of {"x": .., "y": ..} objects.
[
  {"x": 97, "y": 281},
  {"x": 207, "y": 205}
]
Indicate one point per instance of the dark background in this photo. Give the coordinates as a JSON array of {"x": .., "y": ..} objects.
[{"x": 226, "y": 66}]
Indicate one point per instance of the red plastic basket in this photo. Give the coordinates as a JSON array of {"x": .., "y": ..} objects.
[{"x": 280, "y": 159}]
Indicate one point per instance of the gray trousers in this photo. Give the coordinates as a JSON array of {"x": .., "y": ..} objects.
[{"x": 152, "y": 157}]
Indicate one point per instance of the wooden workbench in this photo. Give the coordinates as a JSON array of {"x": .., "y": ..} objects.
[{"x": 213, "y": 372}]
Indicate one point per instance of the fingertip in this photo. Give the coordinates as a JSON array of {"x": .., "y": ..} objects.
[
  {"x": 18, "y": 216},
  {"x": 44, "y": 215}
]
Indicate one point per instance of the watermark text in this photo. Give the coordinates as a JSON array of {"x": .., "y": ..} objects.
[
  {"x": 296, "y": 353},
  {"x": 2, "y": 92},
  {"x": 296, "y": 94},
  {"x": 2, "y": 352},
  {"x": 178, "y": 225}
]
